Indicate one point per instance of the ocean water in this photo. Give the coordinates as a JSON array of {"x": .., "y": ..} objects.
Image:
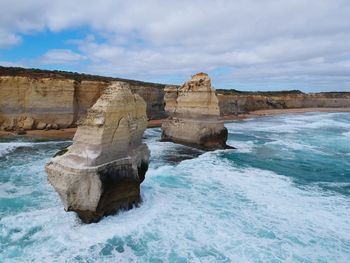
[{"x": 282, "y": 196}]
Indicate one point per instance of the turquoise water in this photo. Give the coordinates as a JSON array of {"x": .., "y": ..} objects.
[{"x": 283, "y": 196}]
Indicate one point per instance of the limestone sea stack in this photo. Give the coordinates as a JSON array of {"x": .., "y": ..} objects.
[
  {"x": 102, "y": 170},
  {"x": 194, "y": 115}
]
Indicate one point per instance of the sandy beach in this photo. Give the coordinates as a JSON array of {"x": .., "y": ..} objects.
[{"x": 69, "y": 132}]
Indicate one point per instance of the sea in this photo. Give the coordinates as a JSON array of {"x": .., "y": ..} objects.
[{"x": 282, "y": 196}]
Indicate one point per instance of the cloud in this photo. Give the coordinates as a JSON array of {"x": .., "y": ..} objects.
[
  {"x": 255, "y": 42},
  {"x": 8, "y": 39},
  {"x": 11, "y": 64},
  {"x": 61, "y": 56}
]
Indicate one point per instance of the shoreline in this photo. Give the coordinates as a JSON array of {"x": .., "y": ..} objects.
[
  {"x": 271, "y": 112},
  {"x": 68, "y": 133}
]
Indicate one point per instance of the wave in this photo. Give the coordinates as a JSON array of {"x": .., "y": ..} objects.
[
  {"x": 205, "y": 209},
  {"x": 8, "y": 147},
  {"x": 202, "y": 208},
  {"x": 346, "y": 134},
  {"x": 242, "y": 146},
  {"x": 289, "y": 124},
  {"x": 296, "y": 146}
]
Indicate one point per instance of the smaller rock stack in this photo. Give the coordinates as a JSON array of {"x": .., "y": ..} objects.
[
  {"x": 102, "y": 170},
  {"x": 194, "y": 115}
]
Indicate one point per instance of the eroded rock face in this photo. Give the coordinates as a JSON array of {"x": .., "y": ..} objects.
[
  {"x": 27, "y": 101},
  {"x": 194, "y": 112},
  {"x": 61, "y": 99},
  {"x": 102, "y": 170}
]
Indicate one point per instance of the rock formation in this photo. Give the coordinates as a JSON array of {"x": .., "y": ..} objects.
[
  {"x": 52, "y": 98},
  {"x": 170, "y": 97},
  {"x": 194, "y": 112},
  {"x": 57, "y": 99},
  {"x": 233, "y": 102},
  {"x": 102, "y": 170}
]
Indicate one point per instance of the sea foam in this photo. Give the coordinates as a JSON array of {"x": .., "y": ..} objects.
[{"x": 215, "y": 207}]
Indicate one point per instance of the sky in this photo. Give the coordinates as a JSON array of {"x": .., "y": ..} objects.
[{"x": 245, "y": 45}]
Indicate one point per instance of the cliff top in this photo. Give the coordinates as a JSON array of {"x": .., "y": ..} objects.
[
  {"x": 330, "y": 94},
  {"x": 58, "y": 74},
  {"x": 264, "y": 93}
]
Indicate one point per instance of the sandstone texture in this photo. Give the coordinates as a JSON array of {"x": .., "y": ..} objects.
[
  {"x": 193, "y": 115},
  {"x": 24, "y": 101},
  {"x": 61, "y": 98},
  {"x": 102, "y": 170},
  {"x": 170, "y": 97},
  {"x": 233, "y": 102}
]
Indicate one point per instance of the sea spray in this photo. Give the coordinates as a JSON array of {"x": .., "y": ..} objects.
[{"x": 282, "y": 196}]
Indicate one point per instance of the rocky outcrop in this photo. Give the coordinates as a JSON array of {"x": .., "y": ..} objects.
[
  {"x": 57, "y": 99},
  {"x": 194, "y": 112},
  {"x": 102, "y": 170},
  {"x": 60, "y": 99},
  {"x": 170, "y": 98}
]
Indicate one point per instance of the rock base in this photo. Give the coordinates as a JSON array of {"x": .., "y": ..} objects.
[
  {"x": 202, "y": 134},
  {"x": 95, "y": 192},
  {"x": 101, "y": 172}
]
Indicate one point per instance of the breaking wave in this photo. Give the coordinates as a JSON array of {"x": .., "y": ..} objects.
[{"x": 281, "y": 197}]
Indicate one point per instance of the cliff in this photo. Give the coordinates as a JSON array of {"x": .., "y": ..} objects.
[
  {"x": 236, "y": 102},
  {"x": 41, "y": 99}
]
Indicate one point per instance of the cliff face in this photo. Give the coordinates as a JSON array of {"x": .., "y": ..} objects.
[
  {"x": 242, "y": 102},
  {"x": 26, "y": 97},
  {"x": 37, "y": 99},
  {"x": 44, "y": 99}
]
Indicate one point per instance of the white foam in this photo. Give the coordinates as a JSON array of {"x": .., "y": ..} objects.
[
  {"x": 242, "y": 146},
  {"x": 8, "y": 189},
  {"x": 205, "y": 209},
  {"x": 346, "y": 134},
  {"x": 8, "y": 147},
  {"x": 290, "y": 123},
  {"x": 202, "y": 207},
  {"x": 297, "y": 146}
]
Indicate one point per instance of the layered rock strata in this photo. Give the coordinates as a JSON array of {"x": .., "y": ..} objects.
[
  {"x": 102, "y": 170},
  {"x": 193, "y": 115},
  {"x": 59, "y": 99},
  {"x": 232, "y": 102}
]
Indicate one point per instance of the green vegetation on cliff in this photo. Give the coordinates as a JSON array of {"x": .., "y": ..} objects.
[{"x": 58, "y": 74}]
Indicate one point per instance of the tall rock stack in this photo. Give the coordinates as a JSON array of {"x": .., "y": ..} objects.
[
  {"x": 102, "y": 170},
  {"x": 194, "y": 115},
  {"x": 170, "y": 97}
]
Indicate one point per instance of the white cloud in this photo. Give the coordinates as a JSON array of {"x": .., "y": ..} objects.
[
  {"x": 11, "y": 64},
  {"x": 61, "y": 56},
  {"x": 8, "y": 39},
  {"x": 254, "y": 41}
]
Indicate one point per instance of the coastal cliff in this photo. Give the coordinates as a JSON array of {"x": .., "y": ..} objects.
[
  {"x": 37, "y": 99},
  {"x": 41, "y": 99},
  {"x": 234, "y": 102}
]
